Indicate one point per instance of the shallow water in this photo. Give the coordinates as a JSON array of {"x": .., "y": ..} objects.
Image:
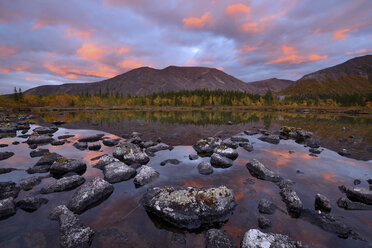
[{"x": 120, "y": 221}]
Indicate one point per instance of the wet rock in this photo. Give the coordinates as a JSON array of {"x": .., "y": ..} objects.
[
  {"x": 344, "y": 152},
  {"x": 145, "y": 176},
  {"x": 303, "y": 135},
  {"x": 44, "y": 163},
  {"x": 205, "y": 168},
  {"x": 72, "y": 232},
  {"x": 264, "y": 222},
  {"x": 33, "y": 146},
  {"x": 94, "y": 146},
  {"x": 360, "y": 194},
  {"x": 6, "y": 155},
  {"x": 147, "y": 144},
  {"x": 81, "y": 145},
  {"x": 7, "y": 208},
  {"x": 342, "y": 188},
  {"x": 105, "y": 160},
  {"x": 254, "y": 238},
  {"x": 206, "y": 146},
  {"x": 58, "y": 122},
  {"x": 66, "y": 165},
  {"x": 239, "y": 139},
  {"x": 58, "y": 143},
  {"x": 292, "y": 201},
  {"x": 158, "y": 147},
  {"x": 90, "y": 194},
  {"x": 345, "y": 203},
  {"x": 312, "y": 143},
  {"x": 66, "y": 136},
  {"x": 170, "y": 161},
  {"x": 248, "y": 147},
  {"x": 31, "y": 203},
  {"x": 63, "y": 184},
  {"x": 39, "y": 152},
  {"x": 190, "y": 207},
  {"x": 15, "y": 143},
  {"x": 193, "y": 156},
  {"x": 250, "y": 132},
  {"x": 8, "y": 189},
  {"x": 28, "y": 183},
  {"x": 291, "y": 152},
  {"x": 226, "y": 152},
  {"x": 215, "y": 238},
  {"x": 266, "y": 207},
  {"x": 258, "y": 170},
  {"x": 315, "y": 150},
  {"x": 3, "y": 145},
  {"x": 286, "y": 183},
  {"x": 93, "y": 138},
  {"x": 117, "y": 171},
  {"x": 322, "y": 203},
  {"x": 272, "y": 138},
  {"x": 369, "y": 181},
  {"x": 45, "y": 130},
  {"x": 313, "y": 155},
  {"x": 229, "y": 143},
  {"x": 357, "y": 182},
  {"x": 110, "y": 142},
  {"x": 219, "y": 161},
  {"x": 130, "y": 154},
  {"x": 6, "y": 170},
  {"x": 39, "y": 139}
]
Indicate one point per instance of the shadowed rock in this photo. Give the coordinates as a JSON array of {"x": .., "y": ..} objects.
[
  {"x": 31, "y": 203},
  {"x": 258, "y": 170},
  {"x": 66, "y": 165},
  {"x": 117, "y": 171},
  {"x": 145, "y": 176},
  {"x": 206, "y": 146},
  {"x": 6, "y": 170},
  {"x": 170, "y": 161},
  {"x": 58, "y": 143},
  {"x": 322, "y": 203},
  {"x": 215, "y": 238},
  {"x": 158, "y": 147},
  {"x": 193, "y": 156},
  {"x": 219, "y": 161},
  {"x": 205, "y": 168},
  {"x": 81, "y": 145},
  {"x": 39, "y": 139},
  {"x": 94, "y": 146},
  {"x": 39, "y": 152},
  {"x": 226, "y": 152},
  {"x": 92, "y": 138},
  {"x": 254, "y": 238},
  {"x": 360, "y": 195},
  {"x": 110, "y": 142},
  {"x": 266, "y": 207},
  {"x": 263, "y": 222},
  {"x": 292, "y": 201},
  {"x": 104, "y": 160},
  {"x": 7, "y": 208},
  {"x": 45, "y": 130},
  {"x": 345, "y": 203},
  {"x": 239, "y": 139},
  {"x": 9, "y": 189},
  {"x": 63, "y": 184},
  {"x": 130, "y": 154},
  {"x": 6, "y": 155},
  {"x": 272, "y": 138},
  {"x": 66, "y": 136},
  {"x": 44, "y": 163},
  {"x": 29, "y": 183}
]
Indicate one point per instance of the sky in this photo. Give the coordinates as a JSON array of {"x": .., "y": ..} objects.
[{"x": 73, "y": 41}]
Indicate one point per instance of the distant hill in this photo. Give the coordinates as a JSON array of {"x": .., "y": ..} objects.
[
  {"x": 272, "y": 84},
  {"x": 352, "y": 76}
]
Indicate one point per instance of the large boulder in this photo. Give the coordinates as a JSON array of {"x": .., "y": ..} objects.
[
  {"x": 44, "y": 163},
  {"x": 145, "y": 176},
  {"x": 130, "y": 154},
  {"x": 205, "y": 168},
  {"x": 31, "y": 203},
  {"x": 6, "y": 155},
  {"x": 90, "y": 194},
  {"x": 215, "y": 238},
  {"x": 219, "y": 161},
  {"x": 254, "y": 238},
  {"x": 72, "y": 232},
  {"x": 226, "y": 152},
  {"x": 45, "y": 130},
  {"x": 7, "y": 208},
  {"x": 104, "y": 160},
  {"x": 206, "y": 146},
  {"x": 360, "y": 195},
  {"x": 9, "y": 189},
  {"x": 39, "y": 139},
  {"x": 190, "y": 207},
  {"x": 117, "y": 172},
  {"x": 66, "y": 165},
  {"x": 258, "y": 170},
  {"x": 63, "y": 184}
]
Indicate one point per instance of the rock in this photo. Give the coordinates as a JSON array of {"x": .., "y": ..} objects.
[
  {"x": 81, "y": 145},
  {"x": 342, "y": 188},
  {"x": 7, "y": 208},
  {"x": 369, "y": 181},
  {"x": 28, "y": 183},
  {"x": 158, "y": 147},
  {"x": 130, "y": 154},
  {"x": 178, "y": 239},
  {"x": 230, "y": 123},
  {"x": 345, "y": 203},
  {"x": 272, "y": 138},
  {"x": 315, "y": 150},
  {"x": 357, "y": 182},
  {"x": 105, "y": 160},
  {"x": 39, "y": 139},
  {"x": 3, "y": 145},
  {"x": 170, "y": 161},
  {"x": 286, "y": 183},
  {"x": 6, "y": 155},
  {"x": 190, "y": 207},
  {"x": 248, "y": 147},
  {"x": 219, "y": 161},
  {"x": 63, "y": 184},
  {"x": 206, "y": 146},
  {"x": 66, "y": 165},
  {"x": 226, "y": 152},
  {"x": 360, "y": 195},
  {"x": 90, "y": 194},
  {"x": 117, "y": 171},
  {"x": 264, "y": 222},
  {"x": 33, "y": 146},
  {"x": 292, "y": 201},
  {"x": 72, "y": 232},
  {"x": 58, "y": 122},
  {"x": 94, "y": 146},
  {"x": 44, "y": 163},
  {"x": 45, "y": 130},
  {"x": 266, "y": 207},
  {"x": 147, "y": 144},
  {"x": 193, "y": 156},
  {"x": 344, "y": 152},
  {"x": 67, "y": 136},
  {"x": 92, "y": 138},
  {"x": 312, "y": 143},
  {"x": 31, "y": 204},
  {"x": 250, "y": 132},
  {"x": 8, "y": 189},
  {"x": 6, "y": 170},
  {"x": 15, "y": 143},
  {"x": 110, "y": 142},
  {"x": 215, "y": 238},
  {"x": 239, "y": 139},
  {"x": 39, "y": 152},
  {"x": 254, "y": 238},
  {"x": 258, "y": 170},
  {"x": 145, "y": 176},
  {"x": 205, "y": 168},
  {"x": 322, "y": 203},
  {"x": 303, "y": 135},
  {"x": 229, "y": 143},
  {"x": 291, "y": 152},
  {"x": 58, "y": 143}
]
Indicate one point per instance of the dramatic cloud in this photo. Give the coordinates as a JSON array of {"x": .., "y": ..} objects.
[{"x": 54, "y": 42}]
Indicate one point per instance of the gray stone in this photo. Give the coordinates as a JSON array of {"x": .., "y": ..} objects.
[
  {"x": 63, "y": 184},
  {"x": 117, "y": 171},
  {"x": 229, "y": 143},
  {"x": 239, "y": 139},
  {"x": 130, "y": 154},
  {"x": 312, "y": 143},
  {"x": 92, "y": 138},
  {"x": 206, "y": 146},
  {"x": 66, "y": 136},
  {"x": 205, "y": 168},
  {"x": 254, "y": 238},
  {"x": 258, "y": 170},
  {"x": 39, "y": 139},
  {"x": 158, "y": 147},
  {"x": 39, "y": 152},
  {"x": 58, "y": 143},
  {"x": 31, "y": 203},
  {"x": 248, "y": 147},
  {"x": 45, "y": 130},
  {"x": 44, "y": 163},
  {"x": 315, "y": 150},
  {"x": 66, "y": 165},
  {"x": 272, "y": 138},
  {"x": 219, "y": 161},
  {"x": 322, "y": 203},
  {"x": 250, "y": 132},
  {"x": 7, "y": 208},
  {"x": 193, "y": 156},
  {"x": 104, "y": 160},
  {"x": 6, "y": 170},
  {"x": 263, "y": 222},
  {"x": 360, "y": 194},
  {"x": 226, "y": 152},
  {"x": 94, "y": 146},
  {"x": 345, "y": 203},
  {"x": 292, "y": 201},
  {"x": 9, "y": 189},
  {"x": 81, "y": 145},
  {"x": 110, "y": 142},
  {"x": 6, "y": 155},
  {"x": 344, "y": 152},
  {"x": 145, "y": 176},
  {"x": 28, "y": 183},
  {"x": 266, "y": 207},
  {"x": 215, "y": 238}
]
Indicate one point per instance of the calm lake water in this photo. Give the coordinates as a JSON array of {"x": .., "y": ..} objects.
[{"x": 121, "y": 222}]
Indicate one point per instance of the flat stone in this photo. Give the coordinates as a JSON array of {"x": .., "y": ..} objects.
[
  {"x": 258, "y": 170},
  {"x": 6, "y": 155},
  {"x": 92, "y": 138},
  {"x": 145, "y": 176},
  {"x": 117, "y": 172},
  {"x": 9, "y": 189},
  {"x": 215, "y": 238},
  {"x": 28, "y": 183},
  {"x": 239, "y": 139},
  {"x": 158, "y": 147},
  {"x": 31, "y": 203},
  {"x": 170, "y": 161},
  {"x": 58, "y": 143},
  {"x": 7, "y": 208},
  {"x": 81, "y": 145},
  {"x": 45, "y": 130},
  {"x": 63, "y": 184},
  {"x": 345, "y": 203},
  {"x": 38, "y": 152},
  {"x": 66, "y": 136},
  {"x": 266, "y": 207},
  {"x": 103, "y": 161},
  {"x": 254, "y": 238},
  {"x": 360, "y": 194},
  {"x": 250, "y": 132},
  {"x": 219, "y": 161},
  {"x": 272, "y": 138},
  {"x": 205, "y": 168},
  {"x": 130, "y": 154}
]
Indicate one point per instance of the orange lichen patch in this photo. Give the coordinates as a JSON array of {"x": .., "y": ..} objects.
[{"x": 205, "y": 21}]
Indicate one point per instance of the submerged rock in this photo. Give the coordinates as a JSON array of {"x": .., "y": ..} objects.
[
  {"x": 248, "y": 147},
  {"x": 215, "y": 238},
  {"x": 145, "y": 176},
  {"x": 315, "y": 150},
  {"x": 72, "y": 232},
  {"x": 9, "y": 189},
  {"x": 39, "y": 139},
  {"x": 31, "y": 203},
  {"x": 239, "y": 139},
  {"x": 190, "y": 207},
  {"x": 264, "y": 222},
  {"x": 63, "y": 184},
  {"x": 39, "y": 152},
  {"x": 66, "y": 136},
  {"x": 205, "y": 168},
  {"x": 6, "y": 170},
  {"x": 345, "y": 203},
  {"x": 117, "y": 171},
  {"x": 58, "y": 122},
  {"x": 104, "y": 160},
  {"x": 28, "y": 183},
  {"x": 130, "y": 154},
  {"x": 6, "y": 155},
  {"x": 89, "y": 194},
  {"x": 206, "y": 146},
  {"x": 81, "y": 145},
  {"x": 226, "y": 152},
  {"x": 254, "y": 238},
  {"x": 258, "y": 170},
  {"x": 344, "y": 152},
  {"x": 7, "y": 208},
  {"x": 66, "y": 165},
  {"x": 272, "y": 138},
  {"x": 266, "y": 207},
  {"x": 322, "y": 203},
  {"x": 170, "y": 161},
  {"x": 360, "y": 195}
]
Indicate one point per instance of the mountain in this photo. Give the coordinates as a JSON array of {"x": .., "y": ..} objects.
[
  {"x": 352, "y": 76},
  {"x": 272, "y": 84}
]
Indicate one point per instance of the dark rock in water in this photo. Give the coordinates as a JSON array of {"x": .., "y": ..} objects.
[
  {"x": 158, "y": 147},
  {"x": 342, "y": 188},
  {"x": 322, "y": 203},
  {"x": 147, "y": 144},
  {"x": 135, "y": 140},
  {"x": 72, "y": 232},
  {"x": 360, "y": 195},
  {"x": 63, "y": 184},
  {"x": 369, "y": 181},
  {"x": 58, "y": 122},
  {"x": 357, "y": 182},
  {"x": 315, "y": 150},
  {"x": 15, "y": 143},
  {"x": 230, "y": 123},
  {"x": 354, "y": 137},
  {"x": 205, "y": 168},
  {"x": 39, "y": 139},
  {"x": 344, "y": 152},
  {"x": 313, "y": 155},
  {"x": 286, "y": 183},
  {"x": 226, "y": 152},
  {"x": 250, "y": 132},
  {"x": 248, "y": 147},
  {"x": 299, "y": 172},
  {"x": 8, "y": 189},
  {"x": 130, "y": 154},
  {"x": 66, "y": 136},
  {"x": 7, "y": 208},
  {"x": 312, "y": 143},
  {"x": 110, "y": 142},
  {"x": 31, "y": 203},
  {"x": 190, "y": 207},
  {"x": 259, "y": 171},
  {"x": 254, "y": 238},
  {"x": 6, "y": 170},
  {"x": 272, "y": 138},
  {"x": 170, "y": 161},
  {"x": 145, "y": 176},
  {"x": 33, "y": 146},
  {"x": 90, "y": 194},
  {"x": 94, "y": 146},
  {"x": 115, "y": 233},
  {"x": 342, "y": 140},
  {"x": 291, "y": 152},
  {"x": 28, "y": 183},
  {"x": 117, "y": 171},
  {"x": 264, "y": 222},
  {"x": 66, "y": 165},
  {"x": 266, "y": 207},
  {"x": 3, "y": 145},
  {"x": 206, "y": 146},
  {"x": 44, "y": 163},
  {"x": 345, "y": 203},
  {"x": 215, "y": 238},
  {"x": 81, "y": 145},
  {"x": 58, "y": 143},
  {"x": 93, "y": 138},
  {"x": 239, "y": 139},
  {"x": 39, "y": 152},
  {"x": 219, "y": 161},
  {"x": 229, "y": 143},
  {"x": 6, "y": 155},
  {"x": 292, "y": 201},
  {"x": 104, "y": 160},
  {"x": 193, "y": 156},
  {"x": 45, "y": 130}
]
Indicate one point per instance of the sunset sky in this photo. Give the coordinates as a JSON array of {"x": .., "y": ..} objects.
[{"x": 70, "y": 41}]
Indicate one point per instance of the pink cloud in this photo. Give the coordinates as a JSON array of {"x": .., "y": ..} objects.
[{"x": 205, "y": 21}]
